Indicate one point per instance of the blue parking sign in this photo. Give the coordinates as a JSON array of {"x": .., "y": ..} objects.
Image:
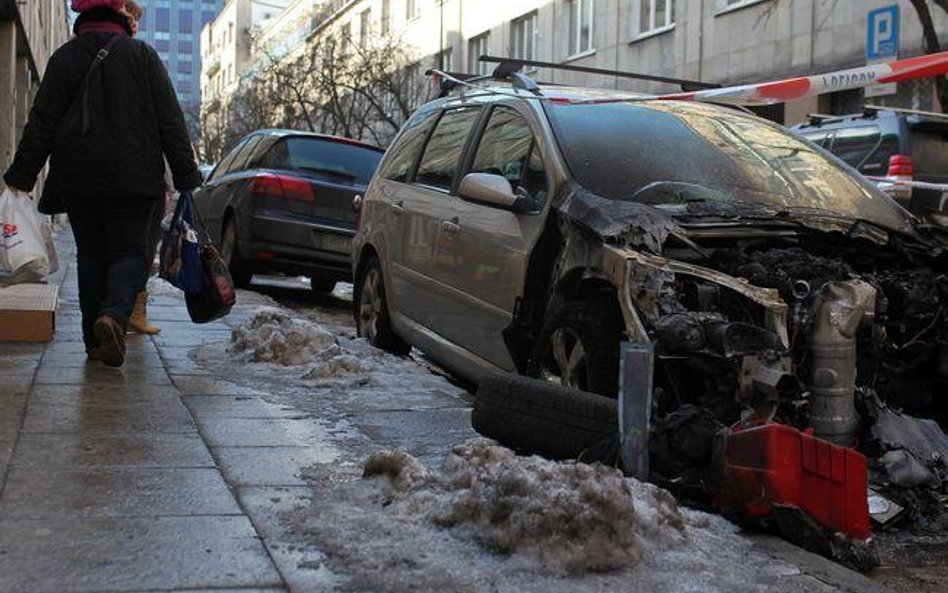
[{"x": 882, "y": 34}]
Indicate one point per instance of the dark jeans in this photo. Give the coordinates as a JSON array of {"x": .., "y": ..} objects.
[
  {"x": 154, "y": 239},
  {"x": 112, "y": 243}
]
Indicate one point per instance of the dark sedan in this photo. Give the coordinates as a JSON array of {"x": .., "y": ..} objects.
[{"x": 281, "y": 201}]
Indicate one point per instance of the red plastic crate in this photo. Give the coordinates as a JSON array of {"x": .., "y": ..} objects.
[{"x": 775, "y": 464}]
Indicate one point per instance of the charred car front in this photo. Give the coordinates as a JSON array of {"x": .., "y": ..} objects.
[{"x": 535, "y": 233}]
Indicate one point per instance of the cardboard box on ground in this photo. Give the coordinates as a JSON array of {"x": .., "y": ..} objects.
[{"x": 28, "y": 312}]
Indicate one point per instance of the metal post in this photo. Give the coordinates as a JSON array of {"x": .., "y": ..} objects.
[{"x": 635, "y": 406}]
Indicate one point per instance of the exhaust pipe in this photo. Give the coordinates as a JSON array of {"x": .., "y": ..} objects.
[{"x": 838, "y": 311}]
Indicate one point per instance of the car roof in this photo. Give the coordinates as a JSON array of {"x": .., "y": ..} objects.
[{"x": 286, "y": 133}]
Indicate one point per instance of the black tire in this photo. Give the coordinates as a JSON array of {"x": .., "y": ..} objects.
[
  {"x": 534, "y": 416},
  {"x": 371, "y": 316},
  {"x": 321, "y": 286},
  {"x": 596, "y": 326},
  {"x": 240, "y": 271}
]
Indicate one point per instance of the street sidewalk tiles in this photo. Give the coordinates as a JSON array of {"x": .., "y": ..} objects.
[
  {"x": 262, "y": 432},
  {"x": 197, "y": 385},
  {"x": 85, "y": 450},
  {"x": 36, "y": 493},
  {"x": 87, "y": 417},
  {"x": 166, "y": 553},
  {"x": 99, "y": 374},
  {"x": 300, "y": 562}
]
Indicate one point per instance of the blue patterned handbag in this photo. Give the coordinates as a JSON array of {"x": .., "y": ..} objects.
[{"x": 180, "y": 260}]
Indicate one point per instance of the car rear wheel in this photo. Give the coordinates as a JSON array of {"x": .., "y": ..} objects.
[
  {"x": 578, "y": 347},
  {"x": 321, "y": 285},
  {"x": 239, "y": 269},
  {"x": 371, "y": 311}
]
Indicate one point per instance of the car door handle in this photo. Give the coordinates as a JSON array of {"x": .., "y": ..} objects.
[
  {"x": 451, "y": 228},
  {"x": 398, "y": 208}
]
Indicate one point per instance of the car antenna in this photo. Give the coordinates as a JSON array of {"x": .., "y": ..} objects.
[{"x": 515, "y": 64}]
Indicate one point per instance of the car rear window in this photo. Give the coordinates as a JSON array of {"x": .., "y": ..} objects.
[
  {"x": 617, "y": 150},
  {"x": 930, "y": 153},
  {"x": 865, "y": 148},
  {"x": 341, "y": 161}
]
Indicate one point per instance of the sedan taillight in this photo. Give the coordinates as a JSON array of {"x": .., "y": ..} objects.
[{"x": 282, "y": 186}]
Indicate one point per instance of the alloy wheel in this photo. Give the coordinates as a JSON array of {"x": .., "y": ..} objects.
[
  {"x": 370, "y": 305},
  {"x": 566, "y": 365}
]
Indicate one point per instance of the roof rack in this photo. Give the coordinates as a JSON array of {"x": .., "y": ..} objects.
[
  {"x": 874, "y": 108},
  {"x": 822, "y": 118},
  {"x": 508, "y": 66},
  {"x": 453, "y": 80}
]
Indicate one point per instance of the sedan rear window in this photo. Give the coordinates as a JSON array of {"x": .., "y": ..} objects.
[{"x": 340, "y": 161}]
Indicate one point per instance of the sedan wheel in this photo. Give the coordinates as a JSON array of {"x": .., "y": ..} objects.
[{"x": 238, "y": 268}]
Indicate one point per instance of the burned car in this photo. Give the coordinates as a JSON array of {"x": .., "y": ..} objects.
[{"x": 533, "y": 232}]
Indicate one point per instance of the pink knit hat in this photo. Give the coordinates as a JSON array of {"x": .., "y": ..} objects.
[{"x": 87, "y": 5}]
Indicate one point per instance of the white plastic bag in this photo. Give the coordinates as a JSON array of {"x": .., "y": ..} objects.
[{"x": 23, "y": 253}]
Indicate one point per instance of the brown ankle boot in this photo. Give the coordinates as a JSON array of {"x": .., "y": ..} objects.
[
  {"x": 110, "y": 340},
  {"x": 138, "y": 322}
]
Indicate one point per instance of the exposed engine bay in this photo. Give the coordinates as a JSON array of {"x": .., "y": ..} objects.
[{"x": 857, "y": 334}]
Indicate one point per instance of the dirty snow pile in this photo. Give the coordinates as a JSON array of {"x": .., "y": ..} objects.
[
  {"x": 273, "y": 336},
  {"x": 569, "y": 517}
]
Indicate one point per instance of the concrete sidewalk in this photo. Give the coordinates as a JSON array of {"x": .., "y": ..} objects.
[{"x": 105, "y": 482}]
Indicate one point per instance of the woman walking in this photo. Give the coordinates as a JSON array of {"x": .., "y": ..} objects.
[{"x": 105, "y": 115}]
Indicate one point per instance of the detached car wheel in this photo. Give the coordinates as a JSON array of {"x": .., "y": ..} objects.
[
  {"x": 578, "y": 348},
  {"x": 371, "y": 311},
  {"x": 239, "y": 269},
  {"x": 532, "y": 415}
]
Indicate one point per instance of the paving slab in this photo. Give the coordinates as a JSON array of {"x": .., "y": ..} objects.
[
  {"x": 166, "y": 553},
  {"x": 16, "y": 384},
  {"x": 211, "y": 386},
  {"x": 237, "y": 406},
  {"x": 133, "y": 360},
  {"x": 300, "y": 562},
  {"x": 17, "y": 364},
  {"x": 270, "y": 466},
  {"x": 91, "y": 418},
  {"x": 263, "y": 432},
  {"x": 131, "y": 375},
  {"x": 33, "y": 492},
  {"x": 105, "y": 395},
  {"x": 78, "y": 450}
]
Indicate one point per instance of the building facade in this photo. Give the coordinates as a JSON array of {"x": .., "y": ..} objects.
[
  {"x": 721, "y": 41},
  {"x": 173, "y": 28},
  {"x": 28, "y": 37}
]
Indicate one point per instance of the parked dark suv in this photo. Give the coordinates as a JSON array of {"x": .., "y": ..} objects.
[
  {"x": 890, "y": 146},
  {"x": 282, "y": 201}
]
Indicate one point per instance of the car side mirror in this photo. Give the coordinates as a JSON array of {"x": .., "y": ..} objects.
[{"x": 494, "y": 190}]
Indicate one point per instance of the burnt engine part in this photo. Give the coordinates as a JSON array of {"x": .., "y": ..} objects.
[
  {"x": 839, "y": 310},
  {"x": 710, "y": 333}
]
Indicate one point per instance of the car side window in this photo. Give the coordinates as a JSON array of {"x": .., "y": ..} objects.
[
  {"x": 508, "y": 148},
  {"x": 443, "y": 152},
  {"x": 241, "y": 160},
  {"x": 224, "y": 166},
  {"x": 278, "y": 157},
  {"x": 404, "y": 153}
]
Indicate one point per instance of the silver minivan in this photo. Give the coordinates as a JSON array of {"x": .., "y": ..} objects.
[{"x": 533, "y": 232}]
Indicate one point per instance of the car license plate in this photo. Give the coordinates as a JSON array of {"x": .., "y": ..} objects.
[{"x": 337, "y": 243}]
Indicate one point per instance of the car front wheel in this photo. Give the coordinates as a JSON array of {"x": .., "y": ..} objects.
[
  {"x": 371, "y": 311},
  {"x": 578, "y": 347}
]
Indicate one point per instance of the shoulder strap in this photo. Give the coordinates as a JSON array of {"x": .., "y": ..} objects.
[{"x": 99, "y": 58}]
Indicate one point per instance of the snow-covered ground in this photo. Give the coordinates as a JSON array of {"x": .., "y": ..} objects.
[{"x": 409, "y": 498}]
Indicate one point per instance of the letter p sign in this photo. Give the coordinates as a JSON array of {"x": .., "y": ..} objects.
[{"x": 882, "y": 35}]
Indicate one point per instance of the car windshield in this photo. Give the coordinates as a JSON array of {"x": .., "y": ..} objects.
[{"x": 624, "y": 150}]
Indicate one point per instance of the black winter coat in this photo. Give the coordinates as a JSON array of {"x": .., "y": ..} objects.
[{"x": 135, "y": 120}]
